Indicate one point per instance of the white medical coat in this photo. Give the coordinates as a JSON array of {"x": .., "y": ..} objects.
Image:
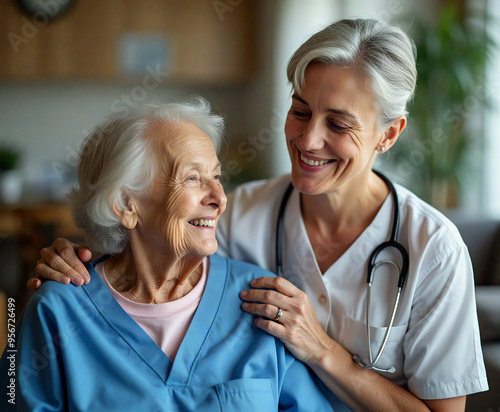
[{"x": 435, "y": 343}]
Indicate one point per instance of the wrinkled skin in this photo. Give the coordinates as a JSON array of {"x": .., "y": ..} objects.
[
  {"x": 162, "y": 259},
  {"x": 186, "y": 187}
]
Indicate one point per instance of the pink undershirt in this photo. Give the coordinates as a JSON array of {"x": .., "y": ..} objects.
[{"x": 166, "y": 323}]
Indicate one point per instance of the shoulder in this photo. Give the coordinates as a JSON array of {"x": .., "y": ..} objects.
[
  {"x": 240, "y": 272},
  {"x": 432, "y": 240},
  {"x": 422, "y": 219},
  {"x": 55, "y": 296},
  {"x": 52, "y": 306},
  {"x": 52, "y": 292}
]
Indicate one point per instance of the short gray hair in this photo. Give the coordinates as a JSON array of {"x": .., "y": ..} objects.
[
  {"x": 117, "y": 160},
  {"x": 381, "y": 53}
]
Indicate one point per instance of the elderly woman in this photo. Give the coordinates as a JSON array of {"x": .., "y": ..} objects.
[
  {"x": 377, "y": 349},
  {"x": 159, "y": 327}
]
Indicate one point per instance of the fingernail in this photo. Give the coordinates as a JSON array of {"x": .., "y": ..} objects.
[
  {"x": 253, "y": 282},
  {"x": 244, "y": 305},
  {"x": 65, "y": 280},
  {"x": 243, "y": 294},
  {"x": 78, "y": 281}
]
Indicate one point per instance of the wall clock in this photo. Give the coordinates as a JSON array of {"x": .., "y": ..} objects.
[{"x": 45, "y": 9}]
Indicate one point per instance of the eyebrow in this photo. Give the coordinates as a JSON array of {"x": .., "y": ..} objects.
[{"x": 336, "y": 111}]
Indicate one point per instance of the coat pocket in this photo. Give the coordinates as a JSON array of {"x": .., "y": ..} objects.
[{"x": 353, "y": 337}]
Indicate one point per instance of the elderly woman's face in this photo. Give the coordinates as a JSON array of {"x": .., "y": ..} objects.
[
  {"x": 331, "y": 129},
  {"x": 187, "y": 197}
]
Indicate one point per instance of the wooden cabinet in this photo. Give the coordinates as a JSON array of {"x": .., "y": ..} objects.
[{"x": 205, "y": 41}]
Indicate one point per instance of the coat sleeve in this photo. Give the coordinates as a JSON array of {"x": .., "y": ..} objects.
[
  {"x": 443, "y": 356},
  {"x": 38, "y": 367}
]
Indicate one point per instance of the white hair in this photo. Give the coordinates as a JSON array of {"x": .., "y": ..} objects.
[
  {"x": 117, "y": 161},
  {"x": 380, "y": 53}
]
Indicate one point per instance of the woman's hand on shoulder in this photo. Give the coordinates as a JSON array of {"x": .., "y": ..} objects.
[
  {"x": 62, "y": 262},
  {"x": 297, "y": 326}
]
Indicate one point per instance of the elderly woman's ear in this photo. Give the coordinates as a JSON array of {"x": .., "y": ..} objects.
[
  {"x": 128, "y": 217},
  {"x": 392, "y": 133}
]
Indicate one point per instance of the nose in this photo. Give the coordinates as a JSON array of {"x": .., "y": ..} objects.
[
  {"x": 312, "y": 137},
  {"x": 215, "y": 196}
]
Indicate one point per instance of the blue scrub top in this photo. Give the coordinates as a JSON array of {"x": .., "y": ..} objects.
[{"x": 77, "y": 349}]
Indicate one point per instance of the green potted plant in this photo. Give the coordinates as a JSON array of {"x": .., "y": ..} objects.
[
  {"x": 452, "y": 54},
  {"x": 10, "y": 178}
]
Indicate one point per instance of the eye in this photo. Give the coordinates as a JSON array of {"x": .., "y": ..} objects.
[
  {"x": 336, "y": 128},
  {"x": 217, "y": 177},
  {"x": 192, "y": 178},
  {"x": 299, "y": 114}
]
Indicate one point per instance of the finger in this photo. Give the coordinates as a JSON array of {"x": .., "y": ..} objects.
[
  {"x": 259, "y": 309},
  {"x": 33, "y": 284},
  {"x": 273, "y": 328},
  {"x": 54, "y": 267},
  {"x": 84, "y": 253},
  {"x": 47, "y": 273},
  {"x": 278, "y": 283},
  {"x": 268, "y": 296},
  {"x": 68, "y": 252}
]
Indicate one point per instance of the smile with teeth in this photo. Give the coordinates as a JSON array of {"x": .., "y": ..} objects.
[
  {"x": 314, "y": 162},
  {"x": 203, "y": 222}
]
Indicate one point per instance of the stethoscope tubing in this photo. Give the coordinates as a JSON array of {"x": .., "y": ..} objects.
[{"x": 372, "y": 267}]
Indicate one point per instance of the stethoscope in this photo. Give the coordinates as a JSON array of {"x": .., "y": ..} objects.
[{"x": 373, "y": 265}]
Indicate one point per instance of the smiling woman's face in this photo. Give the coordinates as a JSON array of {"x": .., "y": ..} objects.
[
  {"x": 187, "y": 197},
  {"x": 331, "y": 130}
]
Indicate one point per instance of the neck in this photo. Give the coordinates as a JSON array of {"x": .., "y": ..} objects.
[
  {"x": 352, "y": 205},
  {"x": 336, "y": 219},
  {"x": 147, "y": 277}
]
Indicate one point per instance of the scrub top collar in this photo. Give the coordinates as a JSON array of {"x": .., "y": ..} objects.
[{"x": 179, "y": 371}]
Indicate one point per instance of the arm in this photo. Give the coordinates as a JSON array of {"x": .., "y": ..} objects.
[
  {"x": 298, "y": 328},
  {"x": 62, "y": 262},
  {"x": 37, "y": 373},
  {"x": 349, "y": 381}
]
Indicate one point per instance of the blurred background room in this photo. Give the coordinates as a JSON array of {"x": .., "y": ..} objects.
[{"x": 65, "y": 64}]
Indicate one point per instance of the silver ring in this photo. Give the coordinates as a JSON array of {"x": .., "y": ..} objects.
[{"x": 278, "y": 315}]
